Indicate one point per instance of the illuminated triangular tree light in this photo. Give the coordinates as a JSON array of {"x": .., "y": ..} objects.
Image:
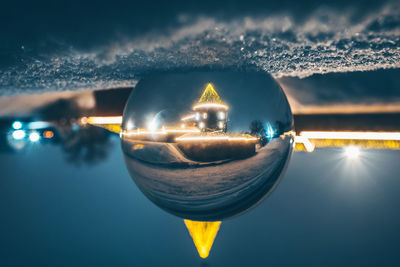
[
  {"x": 203, "y": 235},
  {"x": 210, "y": 95}
]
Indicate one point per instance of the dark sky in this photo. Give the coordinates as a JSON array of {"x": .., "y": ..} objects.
[{"x": 346, "y": 92}]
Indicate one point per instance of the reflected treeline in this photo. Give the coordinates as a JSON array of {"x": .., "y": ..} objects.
[
  {"x": 88, "y": 144},
  {"x": 63, "y": 123},
  {"x": 265, "y": 131}
]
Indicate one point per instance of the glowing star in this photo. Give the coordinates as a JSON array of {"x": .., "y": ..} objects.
[{"x": 203, "y": 235}]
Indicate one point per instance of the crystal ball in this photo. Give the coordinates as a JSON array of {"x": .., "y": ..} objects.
[{"x": 207, "y": 145}]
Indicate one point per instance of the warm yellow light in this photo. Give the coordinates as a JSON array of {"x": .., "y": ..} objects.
[
  {"x": 84, "y": 120},
  {"x": 182, "y": 130},
  {"x": 48, "y": 134},
  {"x": 312, "y": 139},
  {"x": 144, "y": 132},
  {"x": 306, "y": 142},
  {"x": 163, "y": 131},
  {"x": 138, "y": 146},
  {"x": 352, "y": 135},
  {"x": 188, "y": 117},
  {"x": 210, "y": 105},
  {"x": 104, "y": 120},
  {"x": 215, "y": 138},
  {"x": 203, "y": 235},
  {"x": 210, "y": 95}
]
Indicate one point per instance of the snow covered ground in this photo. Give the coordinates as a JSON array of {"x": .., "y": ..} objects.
[{"x": 210, "y": 191}]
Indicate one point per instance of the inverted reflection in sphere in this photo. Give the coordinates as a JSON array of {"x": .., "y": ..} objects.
[{"x": 207, "y": 145}]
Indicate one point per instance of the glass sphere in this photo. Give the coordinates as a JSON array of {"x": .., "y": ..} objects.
[{"x": 207, "y": 145}]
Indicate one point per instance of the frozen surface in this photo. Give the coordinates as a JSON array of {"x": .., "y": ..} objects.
[{"x": 325, "y": 40}]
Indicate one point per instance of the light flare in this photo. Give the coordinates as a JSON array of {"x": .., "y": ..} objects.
[{"x": 352, "y": 152}]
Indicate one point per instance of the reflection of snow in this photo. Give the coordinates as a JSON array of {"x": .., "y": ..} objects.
[
  {"x": 155, "y": 152},
  {"x": 199, "y": 188}
]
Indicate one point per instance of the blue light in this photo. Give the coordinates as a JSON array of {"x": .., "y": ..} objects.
[
  {"x": 269, "y": 131},
  {"x": 17, "y": 125},
  {"x": 75, "y": 127},
  {"x": 18, "y": 134}
]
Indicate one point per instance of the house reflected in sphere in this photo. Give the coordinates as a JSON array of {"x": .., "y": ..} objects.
[{"x": 201, "y": 159}]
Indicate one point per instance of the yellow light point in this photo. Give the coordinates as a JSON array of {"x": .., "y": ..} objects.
[{"x": 203, "y": 235}]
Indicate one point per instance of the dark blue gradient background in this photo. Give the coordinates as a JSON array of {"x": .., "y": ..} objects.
[{"x": 327, "y": 211}]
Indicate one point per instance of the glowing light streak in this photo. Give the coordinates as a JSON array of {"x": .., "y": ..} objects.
[
  {"x": 188, "y": 117},
  {"x": 215, "y": 138},
  {"x": 210, "y": 105},
  {"x": 38, "y": 125},
  {"x": 105, "y": 120},
  {"x": 144, "y": 132},
  {"x": 352, "y": 135},
  {"x": 160, "y": 132},
  {"x": 182, "y": 130}
]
